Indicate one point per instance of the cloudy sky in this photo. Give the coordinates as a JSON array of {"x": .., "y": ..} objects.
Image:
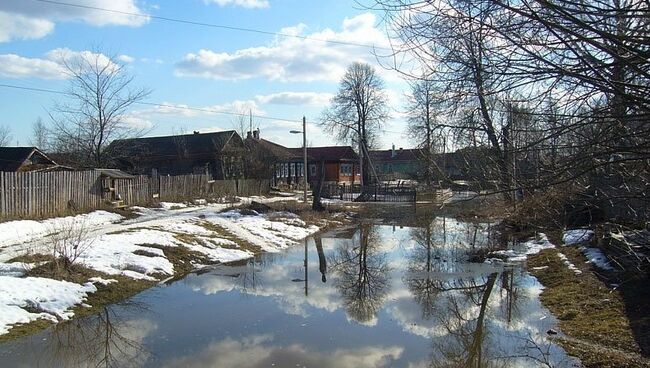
[{"x": 196, "y": 66}]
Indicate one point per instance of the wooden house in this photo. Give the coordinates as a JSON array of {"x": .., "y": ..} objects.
[
  {"x": 23, "y": 159},
  {"x": 341, "y": 164},
  {"x": 219, "y": 154}
]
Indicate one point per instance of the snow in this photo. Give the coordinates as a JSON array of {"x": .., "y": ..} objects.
[
  {"x": 568, "y": 263},
  {"x": 132, "y": 248},
  {"x": 22, "y": 231},
  {"x": 99, "y": 280},
  {"x": 172, "y": 205},
  {"x": 596, "y": 257},
  {"x": 52, "y": 298},
  {"x": 270, "y": 235},
  {"x": 522, "y": 250},
  {"x": 577, "y": 236},
  {"x": 16, "y": 269}
]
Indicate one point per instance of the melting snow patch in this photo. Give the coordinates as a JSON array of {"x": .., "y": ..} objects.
[
  {"x": 172, "y": 205},
  {"x": 577, "y": 236},
  {"x": 22, "y": 231},
  {"x": 15, "y": 269},
  {"x": 522, "y": 250},
  {"x": 99, "y": 280},
  {"x": 596, "y": 257},
  {"x": 568, "y": 263},
  {"x": 48, "y": 299}
]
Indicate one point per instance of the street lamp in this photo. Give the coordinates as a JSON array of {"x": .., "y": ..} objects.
[{"x": 304, "y": 158}]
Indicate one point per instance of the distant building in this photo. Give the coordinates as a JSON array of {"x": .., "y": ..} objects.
[
  {"x": 395, "y": 164},
  {"x": 269, "y": 160},
  {"x": 22, "y": 159},
  {"x": 219, "y": 154},
  {"x": 341, "y": 164}
]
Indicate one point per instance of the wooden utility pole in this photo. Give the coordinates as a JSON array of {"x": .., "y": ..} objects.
[{"x": 304, "y": 158}]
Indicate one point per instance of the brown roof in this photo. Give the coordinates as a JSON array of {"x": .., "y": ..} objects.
[
  {"x": 194, "y": 145},
  {"x": 329, "y": 153},
  {"x": 279, "y": 152}
]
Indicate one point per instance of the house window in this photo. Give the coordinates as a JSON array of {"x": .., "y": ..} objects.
[
  {"x": 300, "y": 170},
  {"x": 285, "y": 170},
  {"x": 346, "y": 170},
  {"x": 312, "y": 170}
]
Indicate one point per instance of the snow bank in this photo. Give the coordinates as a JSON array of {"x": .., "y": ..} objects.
[
  {"x": 53, "y": 298},
  {"x": 22, "y": 231},
  {"x": 172, "y": 205},
  {"x": 520, "y": 252},
  {"x": 596, "y": 257},
  {"x": 270, "y": 235},
  {"x": 577, "y": 236}
]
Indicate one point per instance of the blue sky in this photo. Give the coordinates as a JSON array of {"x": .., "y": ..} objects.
[{"x": 196, "y": 66}]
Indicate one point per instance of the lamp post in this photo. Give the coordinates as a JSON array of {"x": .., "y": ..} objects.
[{"x": 304, "y": 158}]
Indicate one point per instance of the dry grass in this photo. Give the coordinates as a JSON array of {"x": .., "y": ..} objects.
[{"x": 588, "y": 311}]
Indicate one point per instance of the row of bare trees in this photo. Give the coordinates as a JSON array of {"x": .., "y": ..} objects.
[{"x": 558, "y": 91}]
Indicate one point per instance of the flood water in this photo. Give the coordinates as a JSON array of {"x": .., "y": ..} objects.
[{"x": 367, "y": 296}]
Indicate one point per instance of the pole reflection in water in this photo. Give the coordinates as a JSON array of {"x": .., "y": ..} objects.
[{"x": 322, "y": 261}]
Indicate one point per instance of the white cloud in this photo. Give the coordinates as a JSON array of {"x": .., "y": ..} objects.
[
  {"x": 125, "y": 58},
  {"x": 31, "y": 19},
  {"x": 14, "y": 26},
  {"x": 15, "y": 66},
  {"x": 292, "y": 59},
  {"x": 295, "y": 98},
  {"x": 250, "y": 4},
  {"x": 48, "y": 67}
]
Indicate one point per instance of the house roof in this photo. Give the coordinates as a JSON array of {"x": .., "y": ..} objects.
[
  {"x": 114, "y": 174},
  {"x": 195, "y": 145},
  {"x": 328, "y": 153},
  {"x": 408, "y": 154},
  {"x": 267, "y": 147},
  {"x": 12, "y": 158}
]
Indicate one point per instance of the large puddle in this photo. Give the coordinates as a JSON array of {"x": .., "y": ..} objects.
[{"x": 368, "y": 296}]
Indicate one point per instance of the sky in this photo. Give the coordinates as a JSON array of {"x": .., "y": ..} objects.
[{"x": 198, "y": 66}]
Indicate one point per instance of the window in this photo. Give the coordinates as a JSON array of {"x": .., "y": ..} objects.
[
  {"x": 312, "y": 170},
  {"x": 346, "y": 170},
  {"x": 299, "y": 168}
]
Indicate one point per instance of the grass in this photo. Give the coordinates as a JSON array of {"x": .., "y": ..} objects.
[{"x": 590, "y": 313}]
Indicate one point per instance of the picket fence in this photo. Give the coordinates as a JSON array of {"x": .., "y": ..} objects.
[{"x": 36, "y": 194}]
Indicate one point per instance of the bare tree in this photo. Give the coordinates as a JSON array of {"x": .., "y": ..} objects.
[
  {"x": 5, "y": 136},
  {"x": 358, "y": 110},
  {"x": 101, "y": 92},
  {"x": 40, "y": 135}
]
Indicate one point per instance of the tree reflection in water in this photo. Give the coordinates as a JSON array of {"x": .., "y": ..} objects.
[
  {"x": 362, "y": 274},
  {"x": 458, "y": 299},
  {"x": 102, "y": 340}
]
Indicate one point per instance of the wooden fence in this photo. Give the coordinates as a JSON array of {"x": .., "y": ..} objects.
[{"x": 33, "y": 194}]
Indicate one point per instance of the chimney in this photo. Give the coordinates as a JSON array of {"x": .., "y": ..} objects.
[
  {"x": 249, "y": 135},
  {"x": 392, "y": 152},
  {"x": 256, "y": 133}
]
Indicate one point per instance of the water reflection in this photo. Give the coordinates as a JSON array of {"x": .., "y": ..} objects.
[
  {"x": 361, "y": 269},
  {"x": 387, "y": 297}
]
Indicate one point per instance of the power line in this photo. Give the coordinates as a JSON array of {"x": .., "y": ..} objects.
[
  {"x": 178, "y": 107},
  {"x": 211, "y": 25},
  {"x": 182, "y": 107}
]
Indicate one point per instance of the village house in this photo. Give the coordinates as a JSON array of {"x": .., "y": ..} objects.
[
  {"x": 22, "y": 159},
  {"x": 396, "y": 164},
  {"x": 341, "y": 164},
  {"x": 219, "y": 154},
  {"x": 269, "y": 160}
]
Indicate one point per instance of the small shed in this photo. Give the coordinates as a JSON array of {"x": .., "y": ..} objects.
[{"x": 110, "y": 179}]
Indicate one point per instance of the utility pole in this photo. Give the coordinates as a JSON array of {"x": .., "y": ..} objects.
[{"x": 304, "y": 158}]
